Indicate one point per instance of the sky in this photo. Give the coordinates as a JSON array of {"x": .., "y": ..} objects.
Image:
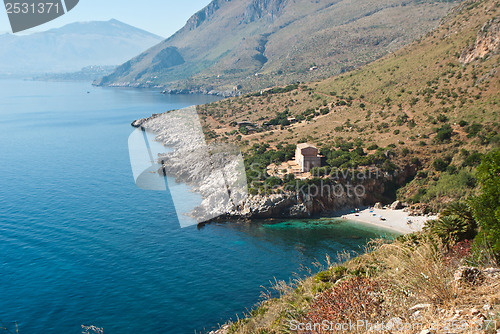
[{"x": 161, "y": 17}]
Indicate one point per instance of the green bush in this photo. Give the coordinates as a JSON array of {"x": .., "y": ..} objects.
[
  {"x": 459, "y": 185},
  {"x": 440, "y": 165},
  {"x": 324, "y": 276},
  {"x": 339, "y": 271},
  {"x": 486, "y": 207},
  {"x": 324, "y": 111},
  {"x": 444, "y": 133},
  {"x": 473, "y": 159},
  {"x": 274, "y": 181},
  {"x": 473, "y": 130},
  {"x": 442, "y": 118}
]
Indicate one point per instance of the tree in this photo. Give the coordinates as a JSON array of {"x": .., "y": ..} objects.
[
  {"x": 444, "y": 133},
  {"x": 486, "y": 207},
  {"x": 440, "y": 165}
]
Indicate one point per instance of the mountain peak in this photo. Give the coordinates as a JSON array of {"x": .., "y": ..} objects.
[
  {"x": 77, "y": 45},
  {"x": 110, "y": 27}
]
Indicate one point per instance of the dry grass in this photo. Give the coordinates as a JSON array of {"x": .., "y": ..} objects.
[
  {"x": 419, "y": 272},
  {"x": 383, "y": 284}
]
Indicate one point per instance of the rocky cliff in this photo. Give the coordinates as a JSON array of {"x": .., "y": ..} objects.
[{"x": 487, "y": 42}]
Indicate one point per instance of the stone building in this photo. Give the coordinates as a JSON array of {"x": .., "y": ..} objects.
[{"x": 307, "y": 157}]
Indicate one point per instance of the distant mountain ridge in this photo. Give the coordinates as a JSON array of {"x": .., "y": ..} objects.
[
  {"x": 237, "y": 46},
  {"x": 72, "y": 47}
]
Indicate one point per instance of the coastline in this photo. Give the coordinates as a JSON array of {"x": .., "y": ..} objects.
[
  {"x": 397, "y": 220},
  {"x": 193, "y": 170}
]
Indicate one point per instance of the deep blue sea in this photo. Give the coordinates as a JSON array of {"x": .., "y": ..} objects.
[{"x": 81, "y": 244}]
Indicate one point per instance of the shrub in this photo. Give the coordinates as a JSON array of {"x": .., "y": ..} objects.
[
  {"x": 422, "y": 175},
  {"x": 243, "y": 130},
  {"x": 339, "y": 271},
  {"x": 451, "y": 169},
  {"x": 324, "y": 276},
  {"x": 442, "y": 118},
  {"x": 444, "y": 133},
  {"x": 401, "y": 119},
  {"x": 415, "y": 161},
  {"x": 274, "y": 181},
  {"x": 355, "y": 298},
  {"x": 440, "y": 165},
  {"x": 458, "y": 253},
  {"x": 486, "y": 207},
  {"x": 473, "y": 159},
  {"x": 473, "y": 130},
  {"x": 457, "y": 186}
]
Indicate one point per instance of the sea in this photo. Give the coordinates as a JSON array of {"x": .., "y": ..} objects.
[{"x": 81, "y": 244}]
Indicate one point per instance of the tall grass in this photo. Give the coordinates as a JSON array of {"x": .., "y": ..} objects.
[{"x": 419, "y": 271}]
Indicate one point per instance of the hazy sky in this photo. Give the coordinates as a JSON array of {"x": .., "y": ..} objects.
[{"x": 162, "y": 17}]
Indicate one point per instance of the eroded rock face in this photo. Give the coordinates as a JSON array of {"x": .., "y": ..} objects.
[{"x": 488, "y": 41}]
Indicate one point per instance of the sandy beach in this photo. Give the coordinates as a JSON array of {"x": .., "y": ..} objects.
[{"x": 396, "y": 220}]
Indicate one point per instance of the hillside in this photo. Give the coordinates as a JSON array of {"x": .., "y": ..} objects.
[
  {"x": 433, "y": 106},
  {"x": 245, "y": 45},
  {"x": 72, "y": 47}
]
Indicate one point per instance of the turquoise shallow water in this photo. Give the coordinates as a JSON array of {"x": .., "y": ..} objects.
[{"x": 81, "y": 244}]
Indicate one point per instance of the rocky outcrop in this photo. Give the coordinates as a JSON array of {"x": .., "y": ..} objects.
[
  {"x": 214, "y": 171},
  {"x": 487, "y": 42},
  {"x": 468, "y": 275},
  {"x": 140, "y": 122},
  {"x": 206, "y": 13},
  {"x": 397, "y": 205},
  {"x": 201, "y": 90}
]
